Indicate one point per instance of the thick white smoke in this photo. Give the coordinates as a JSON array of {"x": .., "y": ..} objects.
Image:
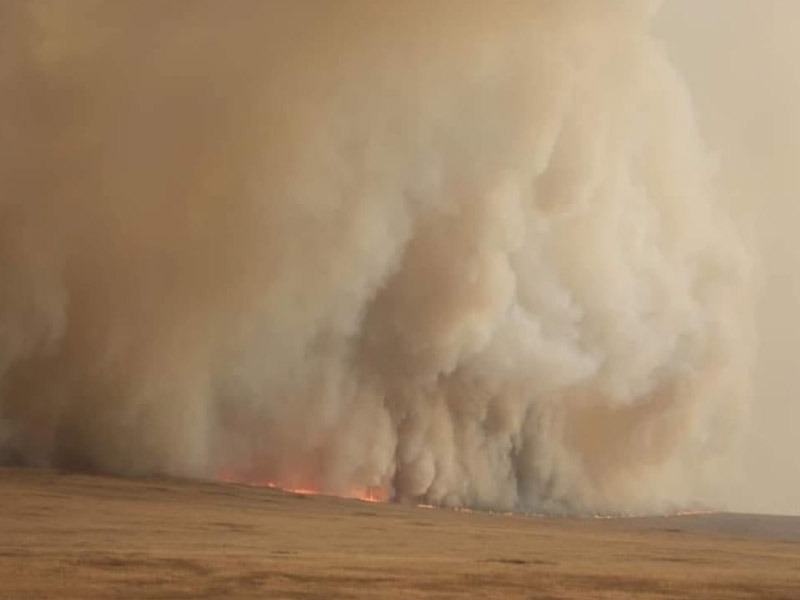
[{"x": 464, "y": 252}]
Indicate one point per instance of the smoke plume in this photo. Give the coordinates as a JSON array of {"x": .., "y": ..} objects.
[{"x": 461, "y": 252}]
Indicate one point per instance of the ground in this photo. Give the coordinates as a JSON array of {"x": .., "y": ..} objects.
[{"x": 81, "y": 537}]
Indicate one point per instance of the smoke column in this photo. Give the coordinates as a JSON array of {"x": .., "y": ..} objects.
[{"x": 467, "y": 253}]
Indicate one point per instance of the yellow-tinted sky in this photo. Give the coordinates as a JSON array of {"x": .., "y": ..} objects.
[{"x": 741, "y": 59}]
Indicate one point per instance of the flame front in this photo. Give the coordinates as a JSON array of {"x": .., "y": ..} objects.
[{"x": 373, "y": 494}]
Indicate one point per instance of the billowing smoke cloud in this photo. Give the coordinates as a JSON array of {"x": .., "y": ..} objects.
[{"x": 463, "y": 252}]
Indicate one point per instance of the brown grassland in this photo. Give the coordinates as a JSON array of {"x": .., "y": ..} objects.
[{"x": 80, "y": 537}]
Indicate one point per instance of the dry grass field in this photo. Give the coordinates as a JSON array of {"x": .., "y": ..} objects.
[{"x": 81, "y": 537}]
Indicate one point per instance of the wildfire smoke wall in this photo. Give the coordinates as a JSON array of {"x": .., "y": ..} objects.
[{"x": 466, "y": 253}]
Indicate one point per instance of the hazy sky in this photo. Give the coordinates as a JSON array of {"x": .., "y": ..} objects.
[{"x": 740, "y": 58}]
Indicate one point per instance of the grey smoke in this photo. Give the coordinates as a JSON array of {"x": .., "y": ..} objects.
[{"x": 468, "y": 253}]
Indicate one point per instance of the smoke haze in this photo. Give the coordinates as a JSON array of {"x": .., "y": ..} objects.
[
  {"x": 740, "y": 59},
  {"x": 465, "y": 253}
]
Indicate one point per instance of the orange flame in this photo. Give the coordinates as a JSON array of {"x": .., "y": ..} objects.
[{"x": 366, "y": 494}]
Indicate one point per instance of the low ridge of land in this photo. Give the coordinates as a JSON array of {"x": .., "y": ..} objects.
[{"x": 79, "y": 537}]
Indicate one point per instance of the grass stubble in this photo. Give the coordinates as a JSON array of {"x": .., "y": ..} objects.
[{"x": 66, "y": 536}]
